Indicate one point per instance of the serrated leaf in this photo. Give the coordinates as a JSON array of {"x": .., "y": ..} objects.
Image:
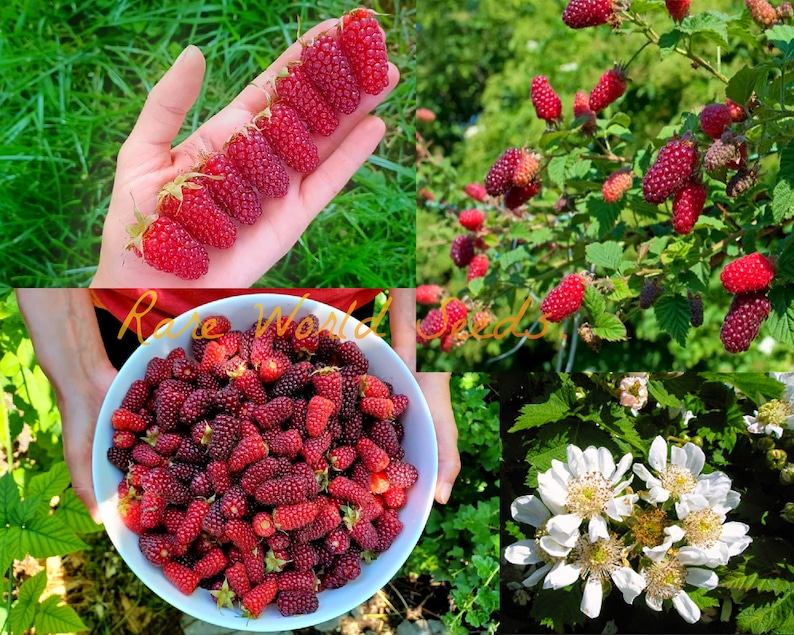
[
  {"x": 754, "y": 385},
  {"x": 9, "y": 497},
  {"x": 579, "y": 169},
  {"x": 475, "y": 286},
  {"x": 537, "y": 414},
  {"x": 52, "y": 618},
  {"x": 753, "y": 582},
  {"x": 24, "y": 610},
  {"x": 48, "y": 536},
  {"x": 673, "y": 315},
  {"x": 49, "y": 484},
  {"x": 593, "y": 301},
  {"x": 556, "y": 171},
  {"x": 781, "y": 319},
  {"x": 783, "y": 194},
  {"x": 742, "y": 84},
  {"x": 784, "y": 268},
  {"x": 711, "y": 25},
  {"x": 73, "y": 514},
  {"x": 603, "y": 215},
  {"x": 658, "y": 391},
  {"x": 511, "y": 257},
  {"x": 10, "y": 546},
  {"x": 622, "y": 290},
  {"x": 609, "y": 327},
  {"x": 782, "y": 36},
  {"x": 607, "y": 254},
  {"x": 762, "y": 619}
]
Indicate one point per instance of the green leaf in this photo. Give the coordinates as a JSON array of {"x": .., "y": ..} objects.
[
  {"x": 23, "y": 612},
  {"x": 783, "y": 194},
  {"x": 673, "y": 315},
  {"x": 659, "y": 392},
  {"x": 556, "y": 171},
  {"x": 753, "y": 582},
  {"x": 73, "y": 514},
  {"x": 475, "y": 286},
  {"x": 52, "y": 618},
  {"x": 754, "y": 385},
  {"x": 622, "y": 290},
  {"x": 603, "y": 215},
  {"x": 10, "y": 546},
  {"x": 49, "y": 484},
  {"x": 764, "y": 618},
  {"x": 9, "y": 497},
  {"x": 537, "y": 414},
  {"x": 607, "y": 254},
  {"x": 609, "y": 327},
  {"x": 784, "y": 268},
  {"x": 781, "y": 319},
  {"x": 741, "y": 86},
  {"x": 48, "y": 536},
  {"x": 782, "y": 36},
  {"x": 579, "y": 169},
  {"x": 594, "y": 302},
  {"x": 713, "y": 26}
]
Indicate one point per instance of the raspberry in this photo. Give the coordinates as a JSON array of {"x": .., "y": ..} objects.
[
  {"x": 377, "y": 407},
  {"x": 738, "y": 113},
  {"x": 617, "y": 184},
  {"x": 347, "y": 566},
  {"x": 130, "y": 512},
  {"x": 388, "y": 526},
  {"x": 695, "y": 308},
  {"x": 714, "y": 119},
  {"x": 233, "y": 192},
  {"x": 581, "y": 108},
  {"x": 478, "y": 267},
  {"x": 288, "y": 490},
  {"x": 136, "y": 397},
  {"x": 762, "y": 12},
  {"x": 191, "y": 525},
  {"x": 565, "y": 299},
  {"x": 125, "y": 420},
  {"x": 580, "y": 14},
  {"x": 545, "y": 101},
  {"x": 234, "y": 503},
  {"x": 254, "y": 157},
  {"x": 272, "y": 414},
  {"x": 167, "y": 246},
  {"x": 297, "y": 602},
  {"x": 670, "y": 172},
  {"x": 156, "y": 548},
  {"x": 241, "y": 534},
  {"x": 332, "y": 73},
  {"x": 456, "y": 313},
  {"x": 649, "y": 294},
  {"x": 314, "y": 447},
  {"x": 197, "y": 404},
  {"x": 351, "y": 359},
  {"x": 362, "y": 41},
  {"x": 364, "y": 533},
  {"x": 157, "y": 371},
  {"x": 238, "y": 579},
  {"x": 741, "y": 182},
  {"x": 344, "y": 489},
  {"x": 373, "y": 457},
  {"x": 146, "y": 455},
  {"x": 317, "y": 415},
  {"x": 516, "y": 196},
  {"x": 428, "y": 294},
  {"x": 295, "y": 87},
  {"x": 401, "y": 474},
  {"x": 432, "y": 324},
  {"x": 687, "y": 205},
  {"x": 743, "y": 321},
  {"x": 185, "y": 370},
  {"x": 610, "y": 87},
  {"x": 287, "y": 444},
  {"x": 395, "y": 498},
  {"x": 527, "y": 168},
  {"x": 249, "y": 450},
  {"x": 181, "y": 577},
  {"x": 187, "y": 200},
  {"x": 752, "y": 272},
  {"x": 678, "y": 9},
  {"x": 500, "y": 176},
  {"x": 289, "y": 517},
  {"x": 218, "y": 472},
  {"x": 476, "y": 191},
  {"x": 255, "y": 601},
  {"x": 304, "y": 557},
  {"x": 462, "y": 250},
  {"x": 160, "y": 481},
  {"x": 211, "y": 564},
  {"x": 384, "y": 434},
  {"x": 296, "y": 581},
  {"x": 471, "y": 219},
  {"x": 249, "y": 384},
  {"x": 328, "y": 384}
]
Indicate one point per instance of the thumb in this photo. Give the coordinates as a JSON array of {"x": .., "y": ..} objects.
[{"x": 166, "y": 106}]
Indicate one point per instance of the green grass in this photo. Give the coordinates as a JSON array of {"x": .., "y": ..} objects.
[{"x": 74, "y": 77}]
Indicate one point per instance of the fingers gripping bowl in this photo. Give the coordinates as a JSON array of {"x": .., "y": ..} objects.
[{"x": 274, "y": 546}]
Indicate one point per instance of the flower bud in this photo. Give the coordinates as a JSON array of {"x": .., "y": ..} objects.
[
  {"x": 787, "y": 475},
  {"x": 788, "y": 513},
  {"x": 776, "y": 459},
  {"x": 697, "y": 440},
  {"x": 764, "y": 444}
]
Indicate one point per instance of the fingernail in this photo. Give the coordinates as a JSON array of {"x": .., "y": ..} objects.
[
  {"x": 182, "y": 54},
  {"x": 443, "y": 493}
]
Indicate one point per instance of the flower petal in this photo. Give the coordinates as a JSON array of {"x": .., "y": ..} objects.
[
  {"x": 554, "y": 548},
  {"x": 561, "y": 575},
  {"x": 606, "y": 464},
  {"x": 597, "y": 528},
  {"x": 530, "y": 510},
  {"x": 592, "y": 598},
  {"x": 695, "y": 458},
  {"x": 591, "y": 459},
  {"x": 703, "y": 578},
  {"x": 551, "y": 493},
  {"x": 657, "y": 457},
  {"x": 642, "y": 471},
  {"x": 686, "y": 607},
  {"x": 629, "y": 582},
  {"x": 692, "y": 556},
  {"x": 620, "y": 507},
  {"x": 678, "y": 456},
  {"x": 536, "y": 575},
  {"x": 523, "y": 552},
  {"x": 564, "y": 528},
  {"x": 654, "y": 602},
  {"x": 658, "y": 494},
  {"x": 576, "y": 462}
]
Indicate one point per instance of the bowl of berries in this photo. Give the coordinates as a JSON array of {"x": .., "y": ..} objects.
[{"x": 269, "y": 466}]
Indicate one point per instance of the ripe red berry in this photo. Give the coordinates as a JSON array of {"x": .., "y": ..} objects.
[
  {"x": 752, "y": 272},
  {"x": 297, "y": 602},
  {"x": 762, "y": 12},
  {"x": 295, "y": 87},
  {"x": 289, "y": 517},
  {"x": 457, "y": 314},
  {"x": 249, "y": 450},
  {"x": 581, "y": 108},
  {"x": 233, "y": 191},
  {"x": 500, "y": 176},
  {"x": 714, "y": 119},
  {"x": 476, "y": 191},
  {"x": 317, "y": 415},
  {"x": 432, "y": 324},
  {"x": 255, "y": 601},
  {"x": 257, "y": 162},
  {"x": 527, "y": 168},
  {"x": 584, "y": 13},
  {"x": 167, "y": 246},
  {"x": 743, "y": 321},
  {"x": 181, "y": 577},
  {"x": 688, "y": 203},
  {"x": 516, "y": 196},
  {"x": 373, "y": 457},
  {"x": 289, "y": 136},
  {"x": 123, "y": 419},
  {"x": 428, "y": 294},
  {"x": 377, "y": 407},
  {"x": 672, "y": 169},
  {"x": 462, "y": 250},
  {"x": 472, "y": 219},
  {"x": 331, "y": 72},
  {"x": 478, "y": 267},
  {"x": 609, "y": 89},
  {"x": 363, "y": 44},
  {"x": 678, "y": 9},
  {"x": 617, "y": 184},
  {"x": 565, "y": 299},
  {"x": 211, "y": 564},
  {"x": 738, "y": 113},
  {"x": 546, "y": 102}
]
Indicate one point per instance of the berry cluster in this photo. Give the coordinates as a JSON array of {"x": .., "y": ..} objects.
[
  {"x": 199, "y": 208},
  {"x": 440, "y": 323},
  {"x": 749, "y": 278},
  {"x": 263, "y": 468}
]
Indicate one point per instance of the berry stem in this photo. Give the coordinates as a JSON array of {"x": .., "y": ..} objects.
[{"x": 633, "y": 57}]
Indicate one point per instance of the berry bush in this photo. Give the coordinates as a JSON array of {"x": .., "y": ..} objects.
[
  {"x": 641, "y": 206},
  {"x": 688, "y": 555}
]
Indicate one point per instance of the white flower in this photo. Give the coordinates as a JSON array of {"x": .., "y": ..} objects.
[
  {"x": 675, "y": 480},
  {"x": 771, "y": 417},
  {"x": 634, "y": 392},
  {"x": 552, "y": 541},
  {"x": 597, "y": 562},
  {"x": 665, "y": 579},
  {"x": 587, "y": 487}
]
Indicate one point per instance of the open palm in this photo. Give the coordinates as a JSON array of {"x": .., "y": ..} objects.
[{"x": 147, "y": 161}]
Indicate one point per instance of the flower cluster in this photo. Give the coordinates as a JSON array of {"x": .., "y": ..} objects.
[
  {"x": 659, "y": 541},
  {"x": 772, "y": 415}
]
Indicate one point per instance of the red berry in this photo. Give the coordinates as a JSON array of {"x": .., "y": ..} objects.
[
  {"x": 136, "y": 396},
  {"x": 289, "y": 517},
  {"x": 428, "y": 294},
  {"x": 255, "y": 601},
  {"x": 289, "y": 136},
  {"x": 181, "y": 577},
  {"x": 363, "y": 43},
  {"x": 584, "y": 13},
  {"x": 377, "y": 407},
  {"x": 288, "y": 443},
  {"x": 332, "y": 73},
  {"x": 687, "y": 205},
  {"x": 516, "y": 196},
  {"x": 295, "y": 87},
  {"x": 156, "y": 548},
  {"x": 130, "y": 512},
  {"x": 752, "y": 272},
  {"x": 762, "y": 12},
  {"x": 238, "y": 579},
  {"x": 738, "y": 113},
  {"x": 527, "y": 168},
  {"x": 320, "y": 409},
  {"x": 476, "y": 191},
  {"x": 167, "y": 246},
  {"x": 432, "y": 324},
  {"x": 395, "y": 498},
  {"x": 233, "y": 191},
  {"x": 345, "y": 489},
  {"x": 234, "y": 503},
  {"x": 328, "y": 383},
  {"x": 743, "y": 321},
  {"x": 272, "y": 414},
  {"x": 678, "y": 9},
  {"x": 617, "y": 184},
  {"x": 581, "y": 108},
  {"x": 714, "y": 119},
  {"x": 500, "y": 176},
  {"x": 471, "y": 219},
  {"x": 373, "y": 457},
  {"x": 609, "y": 89},
  {"x": 546, "y": 102},
  {"x": 401, "y": 474},
  {"x": 257, "y": 162},
  {"x": 457, "y": 313},
  {"x": 671, "y": 171},
  {"x": 478, "y": 267},
  {"x": 287, "y": 490},
  {"x": 297, "y": 602},
  {"x": 125, "y": 420},
  {"x": 211, "y": 564},
  {"x": 187, "y": 200},
  {"x": 462, "y": 250},
  {"x": 249, "y": 450},
  {"x": 565, "y": 299}
]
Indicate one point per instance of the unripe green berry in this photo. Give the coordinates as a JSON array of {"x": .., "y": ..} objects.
[{"x": 776, "y": 459}]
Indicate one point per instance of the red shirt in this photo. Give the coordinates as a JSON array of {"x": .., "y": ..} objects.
[{"x": 173, "y": 302}]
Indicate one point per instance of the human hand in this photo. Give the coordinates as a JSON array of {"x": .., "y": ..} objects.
[
  {"x": 146, "y": 162},
  {"x": 435, "y": 387}
]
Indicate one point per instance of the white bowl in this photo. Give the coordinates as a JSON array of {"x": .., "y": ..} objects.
[{"x": 419, "y": 445}]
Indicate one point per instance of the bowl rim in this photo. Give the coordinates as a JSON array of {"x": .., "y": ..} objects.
[{"x": 277, "y": 622}]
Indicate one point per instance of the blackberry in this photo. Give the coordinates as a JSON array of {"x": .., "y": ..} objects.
[
  {"x": 462, "y": 250},
  {"x": 695, "y": 308},
  {"x": 293, "y": 380},
  {"x": 744, "y": 319},
  {"x": 119, "y": 458},
  {"x": 351, "y": 360}
]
